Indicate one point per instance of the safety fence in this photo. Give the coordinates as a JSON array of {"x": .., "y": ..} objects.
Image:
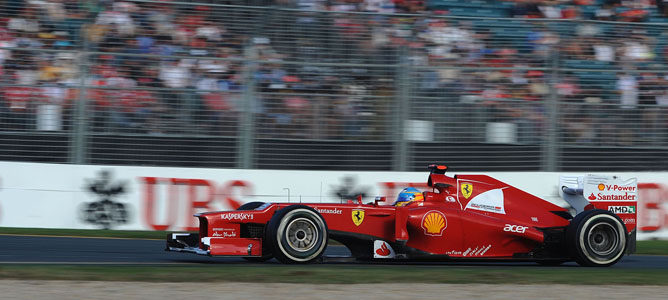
[{"x": 212, "y": 85}]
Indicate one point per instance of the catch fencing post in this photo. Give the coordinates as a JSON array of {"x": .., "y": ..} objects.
[
  {"x": 401, "y": 113},
  {"x": 78, "y": 140},
  {"x": 245, "y": 153},
  {"x": 550, "y": 145}
]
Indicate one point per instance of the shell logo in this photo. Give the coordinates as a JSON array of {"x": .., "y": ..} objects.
[
  {"x": 434, "y": 222},
  {"x": 601, "y": 186}
]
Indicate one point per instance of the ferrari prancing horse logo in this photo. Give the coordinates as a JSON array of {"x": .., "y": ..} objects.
[
  {"x": 467, "y": 190},
  {"x": 358, "y": 216}
]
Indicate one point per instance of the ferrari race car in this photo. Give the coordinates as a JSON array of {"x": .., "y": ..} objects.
[{"x": 465, "y": 217}]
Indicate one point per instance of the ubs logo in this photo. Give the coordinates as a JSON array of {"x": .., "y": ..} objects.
[{"x": 105, "y": 212}]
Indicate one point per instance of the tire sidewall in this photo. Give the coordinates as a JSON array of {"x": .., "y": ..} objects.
[
  {"x": 277, "y": 236},
  {"x": 583, "y": 251}
]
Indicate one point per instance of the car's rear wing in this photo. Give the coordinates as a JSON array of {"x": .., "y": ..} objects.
[{"x": 611, "y": 193}]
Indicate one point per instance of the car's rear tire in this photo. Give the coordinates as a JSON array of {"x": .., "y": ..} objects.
[
  {"x": 297, "y": 234},
  {"x": 598, "y": 238}
]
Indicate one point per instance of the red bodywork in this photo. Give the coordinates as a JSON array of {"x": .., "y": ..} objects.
[{"x": 465, "y": 216}]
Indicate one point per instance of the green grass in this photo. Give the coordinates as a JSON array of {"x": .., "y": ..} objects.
[
  {"x": 655, "y": 247},
  {"x": 342, "y": 274}
]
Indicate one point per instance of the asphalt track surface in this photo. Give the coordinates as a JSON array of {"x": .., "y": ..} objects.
[{"x": 111, "y": 251}]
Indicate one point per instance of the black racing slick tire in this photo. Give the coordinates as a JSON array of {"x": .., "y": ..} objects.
[
  {"x": 250, "y": 205},
  {"x": 597, "y": 237},
  {"x": 298, "y": 234}
]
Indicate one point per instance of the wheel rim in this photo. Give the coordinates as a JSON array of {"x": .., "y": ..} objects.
[
  {"x": 302, "y": 234},
  {"x": 603, "y": 239}
]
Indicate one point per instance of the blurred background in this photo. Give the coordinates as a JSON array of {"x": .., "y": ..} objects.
[{"x": 360, "y": 85}]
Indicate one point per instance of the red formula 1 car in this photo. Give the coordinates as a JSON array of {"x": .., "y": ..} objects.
[{"x": 462, "y": 217}]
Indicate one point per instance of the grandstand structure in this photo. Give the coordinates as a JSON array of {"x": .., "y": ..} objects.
[{"x": 336, "y": 85}]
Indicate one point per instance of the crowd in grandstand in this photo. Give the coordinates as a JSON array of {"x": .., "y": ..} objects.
[{"x": 330, "y": 68}]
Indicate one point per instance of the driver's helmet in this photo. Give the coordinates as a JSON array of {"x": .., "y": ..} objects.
[{"x": 409, "y": 195}]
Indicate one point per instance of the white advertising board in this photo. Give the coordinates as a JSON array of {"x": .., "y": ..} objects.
[{"x": 153, "y": 198}]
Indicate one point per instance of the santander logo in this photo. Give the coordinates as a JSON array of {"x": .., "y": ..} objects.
[
  {"x": 592, "y": 197},
  {"x": 383, "y": 251}
]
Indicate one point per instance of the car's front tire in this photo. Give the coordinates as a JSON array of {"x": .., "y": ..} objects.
[
  {"x": 298, "y": 234},
  {"x": 598, "y": 238}
]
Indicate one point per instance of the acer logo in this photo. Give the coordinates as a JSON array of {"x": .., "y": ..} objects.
[{"x": 515, "y": 228}]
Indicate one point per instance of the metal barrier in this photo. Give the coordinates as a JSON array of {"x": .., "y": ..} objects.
[{"x": 211, "y": 85}]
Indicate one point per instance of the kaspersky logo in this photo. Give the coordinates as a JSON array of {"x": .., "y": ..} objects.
[{"x": 622, "y": 209}]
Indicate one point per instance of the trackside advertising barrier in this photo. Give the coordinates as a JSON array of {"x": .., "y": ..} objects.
[{"x": 151, "y": 198}]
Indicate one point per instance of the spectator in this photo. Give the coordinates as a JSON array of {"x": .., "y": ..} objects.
[
  {"x": 380, "y": 6},
  {"x": 605, "y": 12},
  {"x": 649, "y": 88},
  {"x": 550, "y": 9},
  {"x": 7, "y": 42},
  {"x": 175, "y": 74},
  {"x": 161, "y": 17},
  {"x": 449, "y": 40},
  {"x": 27, "y": 21},
  {"x": 123, "y": 102},
  {"x": 118, "y": 16},
  {"x": 603, "y": 50},
  {"x": 18, "y": 100},
  {"x": 541, "y": 41},
  {"x": 662, "y": 6},
  {"x": 211, "y": 31},
  {"x": 571, "y": 12},
  {"x": 526, "y": 9},
  {"x": 568, "y": 88},
  {"x": 637, "y": 47},
  {"x": 633, "y": 11},
  {"x": 49, "y": 106}
]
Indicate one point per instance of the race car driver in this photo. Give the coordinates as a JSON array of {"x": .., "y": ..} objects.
[{"x": 408, "y": 196}]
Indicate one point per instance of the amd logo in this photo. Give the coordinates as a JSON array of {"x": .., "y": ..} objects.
[
  {"x": 515, "y": 228},
  {"x": 622, "y": 209}
]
